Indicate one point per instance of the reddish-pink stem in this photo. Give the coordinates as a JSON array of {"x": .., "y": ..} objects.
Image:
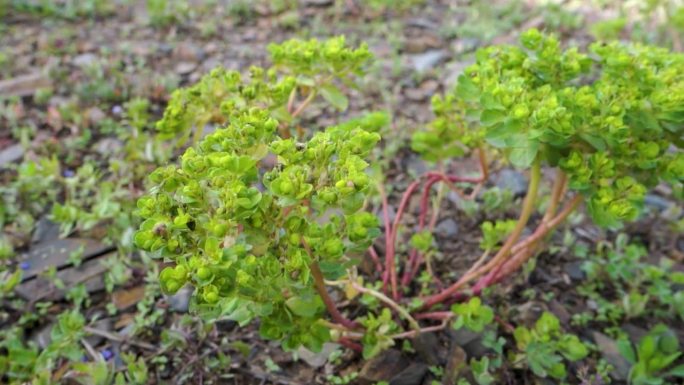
[
  {"x": 376, "y": 260},
  {"x": 390, "y": 269},
  {"x": 412, "y": 262},
  {"x": 344, "y": 341},
  {"x": 437, "y": 315}
]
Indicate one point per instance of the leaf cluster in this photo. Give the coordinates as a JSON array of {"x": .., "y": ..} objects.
[
  {"x": 611, "y": 118},
  {"x": 544, "y": 347},
  {"x": 246, "y": 214}
]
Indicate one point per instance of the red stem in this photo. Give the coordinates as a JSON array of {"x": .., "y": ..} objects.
[
  {"x": 319, "y": 284},
  {"x": 376, "y": 260},
  {"x": 346, "y": 342},
  {"x": 437, "y": 315},
  {"x": 390, "y": 268}
]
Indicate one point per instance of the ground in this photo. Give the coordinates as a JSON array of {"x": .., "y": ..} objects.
[{"x": 73, "y": 75}]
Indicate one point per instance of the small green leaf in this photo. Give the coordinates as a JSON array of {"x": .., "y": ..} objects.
[
  {"x": 625, "y": 348},
  {"x": 334, "y": 96}
]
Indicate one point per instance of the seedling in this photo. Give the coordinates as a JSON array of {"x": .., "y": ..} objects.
[
  {"x": 656, "y": 353},
  {"x": 544, "y": 347}
]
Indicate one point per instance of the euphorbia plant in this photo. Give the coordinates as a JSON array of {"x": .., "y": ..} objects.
[
  {"x": 254, "y": 219},
  {"x": 610, "y": 123},
  {"x": 301, "y": 69}
]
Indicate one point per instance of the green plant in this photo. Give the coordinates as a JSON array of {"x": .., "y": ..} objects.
[
  {"x": 624, "y": 285},
  {"x": 255, "y": 235},
  {"x": 300, "y": 68},
  {"x": 541, "y": 105},
  {"x": 472, "y": 315},
  {"x": 655, "y": 353},
  {"x": 543, "y": 348}
]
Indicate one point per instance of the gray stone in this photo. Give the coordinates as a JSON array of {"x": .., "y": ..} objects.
[
  {"x": 383, "y": 367},
  {"x": 657, "y": 202},
  {"x": 447, "y": 228},
  {"x": 96, "y": 115},
  {"x": 318, "y": 3},
  {"x": 316, "y": 360},
  {"x": 108, "y": 146},
  {"x": 45, "y": 231},
  {"x": 412, "y": 375},
  {"x": 185, "y": 67},
  {"x": 11, "y": 154},
  {"x": 427, "y": 60},
  {"x": 427, "y": 346},
  {"x": 84, "y": 59},
  {"x": 511, "y": 180},
  {"x": 25, "y": 85},
  {"x": 574, "y": 270},
  {"x": 180, "y": 301},
  {"x": 610, "y": 352}
]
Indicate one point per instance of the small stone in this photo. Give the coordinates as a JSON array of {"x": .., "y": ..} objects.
[
  {"x": 84, "y": 60},
  {"x": 427, "y": 60},
  {"x": 318, "y": 3},
  {"x": 45, "y": 230},
  {"x": 427, "y": 346},
  {"x": 383, "y": 367},
  {"x": 11, "y": 154},
  {"x": 422, "y": 92},
  {"x": 412, "y": 375},
  {"x": 511, "y": 180},
  {"x": 180, "y": 301},
  {"x": 447, "y": 228},
  {"x": 316, "y": 360},
  {"x": 185, "y": 67},
  {"x": 95, "y": 115},
  {"x": 610, "y": 352},
  {"x": 187, "y": 51},
  {"x": 657, "y": 202},
  {"x": 108, "y": 146},
  {"x": 574, "y": 270}
]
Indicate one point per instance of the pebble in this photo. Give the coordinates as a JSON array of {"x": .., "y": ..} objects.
[
  {"x": 180, "y": 301},
  {"x": 609, "y": 350},
  {"x": 447, "y": 228},
  {"x": 316, "y": 360},
  {"x": 511, "y": 180},
  {"x": 11, "y": 154},
  {"x": 427, "y": 60},
  {"x": 84, "y": 59}
]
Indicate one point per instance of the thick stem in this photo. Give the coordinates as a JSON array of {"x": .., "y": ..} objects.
[
  {"x": 556, "y": 195},
  {"x": 525, "y": 249},
  {"x": 528, "y": 208},
  {"x": 319, "y": 284}
]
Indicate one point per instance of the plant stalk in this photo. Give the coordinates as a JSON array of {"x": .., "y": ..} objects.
[
  {"x": 319, "y": 284},
  {"x": 528, "y": 208}
]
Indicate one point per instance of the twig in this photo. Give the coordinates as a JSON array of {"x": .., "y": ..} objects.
[
  {"x": 117, "y": 338},
  {"x": 403, "y": 312}
]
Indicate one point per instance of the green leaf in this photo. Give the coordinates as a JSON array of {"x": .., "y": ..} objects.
[
  {"x": 334, "y": 96},
  {"x": 466, "y": 89},
  {"x": 625, "y": 348},
  {"x": 489, "y": 118},
  {"x": 678, "y": 371},
  {"x": 303, "y": 307},
  {"x": 523, "y": 157}
]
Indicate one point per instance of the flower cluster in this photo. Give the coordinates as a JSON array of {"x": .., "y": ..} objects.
[
  {"x": 305, "y": 67},
  {"x": 612, "y": 119},
  {"x": 247, "y": 213}
]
